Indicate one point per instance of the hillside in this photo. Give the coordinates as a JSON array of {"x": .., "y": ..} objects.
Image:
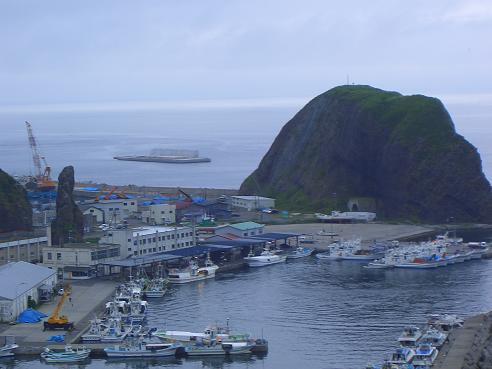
[
  {"x": 15, "y": 208},
  {"x": 401, "y": 154}
]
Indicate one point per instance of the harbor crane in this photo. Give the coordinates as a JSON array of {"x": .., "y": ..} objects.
[
  {"x": 43, "y": 177},
  {"x": 57, "y": 321}
]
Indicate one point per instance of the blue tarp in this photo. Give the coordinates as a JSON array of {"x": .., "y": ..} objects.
[
  {"x": 92, "y": 189},
  {"x": 30, "y": 316},
  {"x": 58, "y": 338}
]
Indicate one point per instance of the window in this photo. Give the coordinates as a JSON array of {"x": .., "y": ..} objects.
[
  {"x": 160, "y": 248},
  {"x": 125, "y": 204},
  {"x": 149, "y": 240},
  {"x": 58, "y": 256},
  {"x": 159, "y": 238},
  {"x": 50, "y": 257},
  {"x": 154, "y": 249},
  {"x": 110, "y": 209},
  {"x": 132, "y": 203},
  {"x": 153, "y": 239},
  {"x": 129, "y": 249},
  {"x": 170, "y": 211},
  {"x": 246, "y": 233},
  {"x": 168, "y": 237},
  {"x": 91, "y": 211},
  {"x": 182, "y": 235},
  {"x": 172, "y": 236},
  {"x": 162, "y": 211}
]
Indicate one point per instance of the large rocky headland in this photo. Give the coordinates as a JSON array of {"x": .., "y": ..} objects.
[
  {"x": 15, "y": 208},
  {"x": 370, "y": 149}
]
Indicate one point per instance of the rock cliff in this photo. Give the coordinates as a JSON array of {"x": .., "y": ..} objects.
[
  {"x": 68, "y": 225},
  {"x": 401, "y": 152},
  {"x": 15, "y": 208}
]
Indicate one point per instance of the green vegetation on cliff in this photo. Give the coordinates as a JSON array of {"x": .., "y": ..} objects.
[
  {"x": 362, "y": 142},
  {"x": 15, "y": 209}
]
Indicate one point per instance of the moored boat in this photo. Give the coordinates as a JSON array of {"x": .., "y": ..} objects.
[
  {"x": 213, "y": 347},
  {"x": 425, "y": 355},
  {"x": 8, "y": 350},
  {"x": 410, "y": 336},
  {"x": 402, "y": 355},
  {"x": 193, "y": 272},
  {"x": 434, "y": 337},
  {"x": 300, "y": 252},
  {"x": 67, "y": 355},
  {"x": 267, "y": 257},
  {"x": 142, "y": 349}
]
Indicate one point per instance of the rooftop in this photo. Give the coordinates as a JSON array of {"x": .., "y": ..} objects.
[
  {"x": 255, "y": 198},
  {"x": 149, "y": 230},
  {"x": 245, "y": 226},
  {"x": 19, "y": 277}
]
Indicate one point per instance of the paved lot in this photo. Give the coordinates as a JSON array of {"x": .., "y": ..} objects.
[
  {"x": 86, "y": 295},
  {"x": 365, "y": 231}
]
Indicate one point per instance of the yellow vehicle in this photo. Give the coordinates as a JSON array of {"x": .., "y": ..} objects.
[{"x": 57, "y": 321}]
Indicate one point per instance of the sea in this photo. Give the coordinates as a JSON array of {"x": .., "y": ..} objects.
[
  {"x": 235, "y": 138},
  {"x": 315, "y": 314}
]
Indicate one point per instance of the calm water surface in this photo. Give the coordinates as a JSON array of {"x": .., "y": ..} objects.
[{"x": 316, "y": 314}]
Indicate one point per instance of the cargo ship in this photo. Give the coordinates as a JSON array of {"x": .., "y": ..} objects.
[{"x": 167, "y": 156}]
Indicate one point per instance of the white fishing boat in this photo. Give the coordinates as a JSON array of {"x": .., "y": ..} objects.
[
  {"x": 425, "y": 355},
  {"x": 193, "y": 272},
  {"x": 445, "y": 322},
  {"x": 402, "y": 355},
  {"x": 115, "y": 331},
  {"x": 266, "y": 257},
  {"x": 94, "y": 333},
  {"x": 410, "y": 336},
  {"x": 300, "y": 252},
  {"x": 67, "y": 355},
  {"x": 8, "y": 350},
  {"x": 142, "y": 349},
  {"x": 213, "y": 347},
  {"x": 434, "y": 337}
]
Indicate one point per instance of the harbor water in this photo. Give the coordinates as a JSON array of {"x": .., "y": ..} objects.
[{"x": 316, "y": 314}]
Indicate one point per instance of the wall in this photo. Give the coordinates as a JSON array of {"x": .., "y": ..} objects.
[{"x": 22, "y": 250}]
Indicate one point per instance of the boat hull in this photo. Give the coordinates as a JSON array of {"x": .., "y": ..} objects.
[
  {"x": 255, "y": 263},
  {"x": 190, "y": 279},
  {"x": 141, "y": 353}
]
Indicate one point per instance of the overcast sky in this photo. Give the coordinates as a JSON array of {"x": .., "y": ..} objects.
[{"x": 69, "y": 52}]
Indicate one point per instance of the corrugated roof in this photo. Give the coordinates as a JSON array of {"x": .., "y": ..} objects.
[
  {"x": 19, "y": 277},
  {"x": 275, "y": 236}
]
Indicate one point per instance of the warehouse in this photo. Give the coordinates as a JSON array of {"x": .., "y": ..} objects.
[
  {"x": 21, "y": 282},
  {"x": 252, "y": 202}
]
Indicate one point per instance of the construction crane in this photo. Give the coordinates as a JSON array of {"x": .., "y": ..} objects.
[
  {"x": 188, "y": 198},
  {"x": 57, "y": 321},
  {"x": 43, "y": 177}
]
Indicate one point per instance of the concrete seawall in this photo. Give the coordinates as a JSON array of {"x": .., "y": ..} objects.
[{"x": 469, "y": 347}]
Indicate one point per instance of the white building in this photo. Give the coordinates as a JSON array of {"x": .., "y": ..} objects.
[
  {"x": 97, "y": 212},
  {"x": 25, "y": 249},
  {"x": 148, "y": 240},
  {"x": 159, "y": 214},
  {"x": 20, "y": 282},
  {"x": 244, "y": 229},
  {"x": 115, "y": 210},
  {"x": 79, "y": 260},
  {"x": 252, "y": 202}
]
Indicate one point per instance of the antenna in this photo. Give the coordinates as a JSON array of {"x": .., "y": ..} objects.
[{"x": 348, "y": 80}]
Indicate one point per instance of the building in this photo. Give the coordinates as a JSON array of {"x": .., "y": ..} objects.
[
  {"x": 22, "y": 249},
  {"x": 252, "y": 202},
  {"x": 159, "y": 214},
  {"x": 95, "y": 211},
  {"x": 21, "y": 282},
  {"x": 147, "y": 240},
  {"x": 245, "y": 229},
  {"x": 113, "y": 211},
  {"x": 79, "y": 260}
]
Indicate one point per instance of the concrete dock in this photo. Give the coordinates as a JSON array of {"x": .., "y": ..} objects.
[{"x": 86, "y": 298}]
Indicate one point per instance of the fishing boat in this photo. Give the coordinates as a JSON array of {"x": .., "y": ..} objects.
[
  {"x": 434, "y": 337},
  {"x": 115, "y": 331},
  {"x": 402, "y": 355},
  {"x": 267, "y": 257},
  {"x": 213, "y": 347},
  {"x": 193, "y": 272},
  {"x": 67, "y": 355},
  {"x": 142, "y": 349},
  {"x": 445, "y": 322},
  {"x": 155, "y": 288},
  {"x": 410, "y": 336},
  {"x": 300, "y": 252},
  {"x": 425, "y": 355},
  {"x": 7, "y": 350},
  {"x": 94, "y": 333}
]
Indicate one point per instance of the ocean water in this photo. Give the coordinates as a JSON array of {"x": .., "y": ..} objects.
[
  {"x": 234, "y": 138},
  {"x": 315, "y": 314}
]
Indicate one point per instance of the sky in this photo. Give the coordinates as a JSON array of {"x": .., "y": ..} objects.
[{"x": 99, "y": 53}]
